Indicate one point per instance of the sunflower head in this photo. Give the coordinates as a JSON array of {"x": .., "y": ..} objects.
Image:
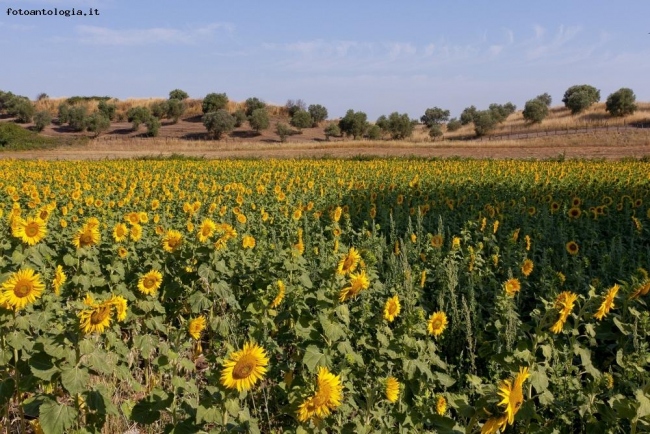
[
  {"x": 512, "y": 287},
  {"x": 196, "y": 326},
  {"x": 512, "y": 394},
  {"x": 349, "y": 262},
  {"x": 150, "y": 282},
  {"x": 391, "y": 389},
  {"x": 392, "y": 308},
  {"x": 172, "y": 241},
  {"x": 22, "y": 288},
  {"x": 437, "y": 323},
  {"x": 244, "y": 368},
  {"x": 328, "y": 396},
  {"x": 527, "y": 267}
]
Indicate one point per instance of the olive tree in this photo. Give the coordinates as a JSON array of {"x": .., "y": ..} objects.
[
  {"x": 580, "y": 97},
  {"x": 354, "y": 124},
  {"x": 259, "y": 119},
  {"x": 214, "y": 102},
  {"x": 318, "y": 113},
  {"x": 621, "y": 103},
  {"x": 535, "y": 110},
  {"x": 218, "y": 123}
]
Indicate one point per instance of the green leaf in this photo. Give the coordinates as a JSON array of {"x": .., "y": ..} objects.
[
  {"x": 42, "y": 366},
  {"x": 69, "y": 261},
  {"x": 332, "y": 331},
  {"x": 232, "y": 407},
  {"x": 444, "y": 379},
  {"x": 644, "y": 404},
  {"x": 56, "y": 418},
  {"x": 314, "y": 358},
  {"x": 99, "y": 400},
  {"x": 146, "y": 344},
  {"x": 147, "y": 410},
  {"x": 585, "y": 360},
  {"x": 209, "y": 414},
  {"x": 343, "y": 313},
  {"x": 7, "y": 388},
  {"x": 74, "y": 379},
  {"x": 305, "y": 281}
]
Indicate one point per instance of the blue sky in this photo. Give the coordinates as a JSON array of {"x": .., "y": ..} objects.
[{"x": 377, "y": 56}]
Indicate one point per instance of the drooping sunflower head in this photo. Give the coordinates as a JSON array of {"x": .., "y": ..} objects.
[
  {"x": 59, "y": 279},
  {"x": 196, "y": 326},
  {"x": 392, "y": 308},
  {"x": 437, "y": 323},
  {"x": 441, "y": 405},
  {"x": 349, "y": 262},
  {"x": 358, "y": 282},
  {"x": 150, "y": 282},
  {"x": 280, "y": 295},
  {"x": 244, "y": 368},
  {"x": 391, "y": 389},
  {"x": 22, "y": 288},
  {"x": 512, "y": 394},
  {"x": 608, "y": 303}
]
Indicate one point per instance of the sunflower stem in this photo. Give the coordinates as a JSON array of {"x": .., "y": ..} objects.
[{"x": 17, "y": 381}]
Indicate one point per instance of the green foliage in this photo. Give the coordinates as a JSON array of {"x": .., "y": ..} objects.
[
  {"x": 107, "y": 109},
  {"x": 153, "y": 126},
  {"x": 42, "y": 96},
  {"x": 293, "y": 106},
  {"x": 138, "y": 116},
  {"x": 253, "y": 104},
  {"x": 218, "y": 123},
  {"x": 382, "y": 122},
  {"x": 484, "y": 122},
  {"x": 332, "y": 130},
  {"x": 500, "y": 112},
  {"x": 41, "y": 120},
  {"x": 77, "y": 118},
  {"x": 318, "y": 113},
  {"x": 63, "y": 116},
  {"x": 301, "y": 119},
  {"x": 621, "y": 103},
  {"x": 545, "y": 98},
  {"x": 374, "y": 132},
  {"x": 159, "y": 109},
  {"x": 580, "y": 97},
  {"x": 434, "y": 116},
  {"x": 15, "y": 137},
  {"x": 98, "y": 123},
  {"x": 240, "y": 117},
  {"x": 259, "y": 119},
  {"x": 175, "y": 109},
  {"x": 214, "y": 102},
  {"x": 467, "y": 116},
  {"x": 21, "y": 108},
  {"x": 178, "y": 95},
  {"x": 283, "y": 130},
  {"x": 435, "y": 132},
  {"x": 454, "y": 125},
  {"x": 5, "y": 97},
  {"x": 354, "y": 124},
  {"x": 535, "y": 110},
  {"x": 399, "y": 126}
]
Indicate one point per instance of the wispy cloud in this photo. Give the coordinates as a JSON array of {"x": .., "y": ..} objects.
[
  {"x": 95, "y": 35},
  {"x": 539, "y": 47}
]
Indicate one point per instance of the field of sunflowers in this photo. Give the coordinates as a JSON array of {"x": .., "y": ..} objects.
[{"x": 324, "y": 296}]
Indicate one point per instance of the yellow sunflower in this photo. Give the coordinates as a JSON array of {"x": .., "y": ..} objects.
[
  {"x": 120, "y": 232},
  {"x": 512, "y": 394},
  {"x": 608, "y": 303},
  {"x": 21, "y": 289},
  {"x": 136, "y": 232},
  {"x": 196, "y": 326},
  {"x": 328, "y": 396},
  {"x": 437, "y": 323},
  {"x": 59, "y": 279},
  {"x": 494, "y": 424},
  {"x": 572, "y": 248},
  {"x": 99, "y": 315},
  {"x": 87, "y": 236},
  {"x": 441, "y": 405},
  {"x": 244, "y": 368},
  {"x": 31, "y": 231},
  {"x": 280, "y": 296},
  {"x": 172, "y": 240},
  {"x": 564, "y": 303},
  {"x": 206, "y": 230},
  {"x": 391, "y": 389},
  {"x": 248, "y": 242},
  {"x": 527, "y": 267},
  {"x": 641, "y": 290},
  {"x": 132, "y": 218},
  {"x": 391, "y": 308},
  {"x": 512, "y": 286},
  {"x": 358, "y": 282},
  {"x": 337, "y": 214},
  {"x": 437, "y": 241},
  {"x": 349, "y": 262},
  {"x": 150, "y": 282},
  {"x": 122, "y": 252}
]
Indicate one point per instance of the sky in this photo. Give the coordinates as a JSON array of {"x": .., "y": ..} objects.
[{"x": 375, "y": 56}]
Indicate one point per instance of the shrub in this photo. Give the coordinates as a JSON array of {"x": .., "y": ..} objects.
[
  {"x": 178, "y": 95},
  {"x": 484, "y": 122},
  {"x": 500, "y": 112},
  {"x": 354, "y": 124},
  {"x": 453, "y": 125},
  {"x": 621, "y": 103},
  {"x": 434, "y": 116},
  {"x": 467, "y": 116},
  {"x": 240, "y": 117},
  {"x": 214, "y": 102},
  {"x": 253, "y": 104},
  {"x": 293, "y": 106},
  {"x": 107, "y": 109},
  {"x": 22, "y": 109},
  {"x": 218, "y": 123},
  {"x": 332, "y": 130},
  {"x": 435, "y": 131},
  {"x": 153, "y": 125},
  {"x": 41, "y": 120},
  {"x": 374, "y": 132},
  {"x": 535, "y": 110},
  {"x": 545, "y": 98},
  {"x": 98, "y": 123},
  {"x": 5, "y": 97},
  {"x": 77, "y": 118},
  {"x": 175, "y": 109},
  {"x": 259, "y": 119},
  {"x": 159, "y": 109},
  {"x": 301, "y": 119},
  {"x": 42, "y": 96},
  {"x": 63, "y": 116},
  {"x": 137, "y": 116},
  {"x": 399, "y": 126},
  {"x": 382, "y": 122},
  {"x": 580, "y": 97},
  {"x": 283, "y": 130},
  {"x": 318, "y": 113}
]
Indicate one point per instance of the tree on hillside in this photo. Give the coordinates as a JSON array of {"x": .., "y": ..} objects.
[
  {"x": 5, "y": 97},
  {"x": 175, "y": 109},
  {"x": 580, "y": 97},
  {"x": 253, "y": 104},
  {"x": 318, "y": 113},
  {"x": 283, "y": 130},
  {"x": 467, "y": 116},
  {"x": 453, "y": 125},
  {"x": 434, "y": 116},
  {"x": 21, "y": 108},
  {"x": 301, "y": 119},
  {"x": 214, "y": 101},
  {"x": 621, "y": 103},
  {"x": 292, "y": 106},
  {"x": 400, "y": 126},
  {"x": 63, "y": 115},
  {"x": 500, "y": 112},
  {"x": 374, "y": 132},
  {"x": 535, "y": 110},
  {"x": 435, "y": 131},
  {"x": 77, "y": 118},
  {"x": 259, "y": 119},
  {"x": 382, "y": 122},
  {"x": 178, "y": 94},
  {"x": 159, "y": 109},
  {"x": 240, "y": 117},
  {"x": 484, "y": 122},
  {"x": 218, "y": 123},
  {"x": 107, "y": 109},
  {"x": 41, "y": 120},
  {"x": 98, "y": 123},
  {"x": 153, "y": 126},
  {"x": 332, "y": 130},
  {"x": 354, "y": 124},
  {"x": 545, "y": 98},
  {"x": 137, "y": 116}
]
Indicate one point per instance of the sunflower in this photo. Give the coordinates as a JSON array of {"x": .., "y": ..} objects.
[
  {"x": 441, "y": 405},
  {"x": 31, "y": 231},
  {"x": 132, "y": 218},
  {"x": 495, "y": 226},
  {"x": 120, "y": 232},
  {"x": 150, "y": 282},
  {"x": 280, "y": 296},
  {"x": 196, "y": 326},
  {"x": 574, "y": 212},
  {"x": 437, "y": 241},
  {"x": 95, "y": 319},
  {"x": 391, "y": 309},
  {"x": 641, "y": 290},
  {"x": 391, "y": 390},
  {"x": 608, "y": 303},
  {"x": 136, "y": 232},
  {"x": 527, "y": 238},
  {"x": 241, "y": 218},
  {"x": 437, "y": 323},
  {"x": 564, "y": 302},
  {"x": 244, "y": 368},
  {"x": 358, "y": 282},
  {"x": 512, "y": 286},
  {"x": 172, "y": 240},
  {"x": 120, "y": 305},
  {"x": 248, "y": 242},
  {"x": 494, "y": 424},
  {"x": 328, "y": 397},
  {"x": 512, "y": 394},
  {"x": 59, "y": 279},
  {"x": 572, "y": 248},
  {"x": 455, "y": 243},
  {"x": 21, "y": 289},
  {"x": 122, "y": 252},
  {"x": 527, "y": 267},
  {"x": 349, "y": 262},
  {"x": 206, "y": 230},
  {"x": 87, "y": 236},
  {"x": 337, "y": 214}
]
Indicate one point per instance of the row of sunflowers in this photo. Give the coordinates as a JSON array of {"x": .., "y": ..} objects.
[{"x": 302, "y": 296}]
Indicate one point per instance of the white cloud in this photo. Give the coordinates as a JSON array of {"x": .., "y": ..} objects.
[{"x": 95, "y": 35}]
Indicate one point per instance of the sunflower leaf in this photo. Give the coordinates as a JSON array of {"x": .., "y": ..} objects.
[
  {"x": 315, "y": 358},
  {"x": 74, "y": 379},
  {"x": 56, "y": 418}
]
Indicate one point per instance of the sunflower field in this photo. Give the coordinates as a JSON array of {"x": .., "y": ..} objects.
[{"x": 324, "y": 296}]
